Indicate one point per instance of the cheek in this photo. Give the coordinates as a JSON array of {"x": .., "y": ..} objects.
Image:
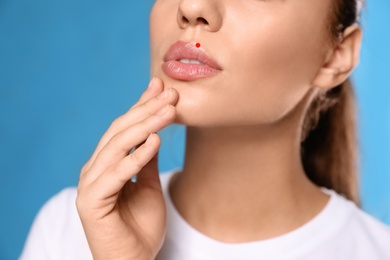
[
  {"x": 267, "y": 70},
  {"x": 274, "y": 72}
]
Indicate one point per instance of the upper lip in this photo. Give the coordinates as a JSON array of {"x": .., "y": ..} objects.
[{"x": 185, "y": 50}]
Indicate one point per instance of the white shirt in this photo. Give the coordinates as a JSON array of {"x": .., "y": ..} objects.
[{"x": 339, "y": 231}]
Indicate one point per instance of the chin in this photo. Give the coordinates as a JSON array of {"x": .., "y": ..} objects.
[
  {"x": 207, "y": 118},
  {"x": 191, "y": 116}
]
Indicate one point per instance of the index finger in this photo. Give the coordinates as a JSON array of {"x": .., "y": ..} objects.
[{"x": 155, "y": 87}]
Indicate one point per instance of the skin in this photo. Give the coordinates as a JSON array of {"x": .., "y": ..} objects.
[
  {"x": 268, "y": 58},
  {"x": 242, "y": 179}
]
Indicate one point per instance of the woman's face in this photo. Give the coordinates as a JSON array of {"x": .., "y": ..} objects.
[{"x": 266, "y": 54}]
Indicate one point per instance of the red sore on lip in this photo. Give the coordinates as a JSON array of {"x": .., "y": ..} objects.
[{"x": 197, "y": 45}]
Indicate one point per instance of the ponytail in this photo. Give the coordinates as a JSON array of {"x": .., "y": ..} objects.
[{"x": 329, "y": 141}]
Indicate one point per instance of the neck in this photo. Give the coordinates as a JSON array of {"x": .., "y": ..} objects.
[{"x": 245, "y": 183}]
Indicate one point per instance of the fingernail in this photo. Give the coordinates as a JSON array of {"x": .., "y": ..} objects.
[
  {"x": 162, "y": 111},
  {"x": 149, "y": 140},
  {"x": 164, "y": 94},
  {"x": 152, "y": 83}
]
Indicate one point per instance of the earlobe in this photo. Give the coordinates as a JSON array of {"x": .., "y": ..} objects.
[{"x": 341, "y": 60}]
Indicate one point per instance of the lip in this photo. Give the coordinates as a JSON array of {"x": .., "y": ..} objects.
[{"x": 186, "y": 71}]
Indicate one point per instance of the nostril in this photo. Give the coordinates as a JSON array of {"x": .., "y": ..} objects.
[
  {"x": 185, "y": 20},
  {"x": 202, "y": 20}
]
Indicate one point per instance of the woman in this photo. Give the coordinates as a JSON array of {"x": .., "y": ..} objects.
[{"x": 270, "y": 156}]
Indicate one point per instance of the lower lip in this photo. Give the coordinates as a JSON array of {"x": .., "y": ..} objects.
[{"x": 188, "y": 72}]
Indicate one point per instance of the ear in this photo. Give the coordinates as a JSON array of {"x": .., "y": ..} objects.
[{"x": 341, "y": 59}]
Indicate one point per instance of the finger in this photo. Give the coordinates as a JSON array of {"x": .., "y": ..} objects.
[
  {"x": 149, "y": 175},
  {"x": 155, "y": 87},
  {"x": 120, "y": 144},
  {"x": 111, "y": 181},
  {"x": 144, "y": 110},
  {"x": 133, "y": 116}
]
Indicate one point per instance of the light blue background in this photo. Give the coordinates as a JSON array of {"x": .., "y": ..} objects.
[{"x": 68, "y": 68}]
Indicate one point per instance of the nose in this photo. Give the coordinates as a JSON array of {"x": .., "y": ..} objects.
[{"x": 204, "y": 13}]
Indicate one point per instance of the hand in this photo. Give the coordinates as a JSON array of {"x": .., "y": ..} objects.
[{"x": 123, "y": 219}]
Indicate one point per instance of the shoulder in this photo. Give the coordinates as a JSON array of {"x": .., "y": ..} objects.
[
  {"x": 63, "y": 201},
  {"x": 370, "y": 228},
  {"x": 361, "y": 236},
  {"x": 57, "y": 231},
  {"x": 61, "y": 209},
  {"x": 362, "y": 222}
]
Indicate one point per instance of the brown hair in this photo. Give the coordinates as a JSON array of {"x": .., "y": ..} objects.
[{"x": 329, "y": 141}]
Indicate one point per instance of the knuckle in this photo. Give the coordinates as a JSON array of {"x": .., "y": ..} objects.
[
  {"x": 80, "y": 203},
  {"x": 145, "y": 125},
  {"x": 169, "y": 115},
  {"x": 146, "y": 109},
  {"x": 139, "y": 102},
  {"x": 116, "y": 123},
  {"x": 117, "y": 169},
  {"x": 137, "y": 160},
  {"x": 171, "y": 111},
  {"x": 116, "y": 143},
  {"x": 85, "y": 203},
  {"x": 85, "y": 168},
  {"x": 82, "y": 183},
  {"x": 119, "y": 172}
]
